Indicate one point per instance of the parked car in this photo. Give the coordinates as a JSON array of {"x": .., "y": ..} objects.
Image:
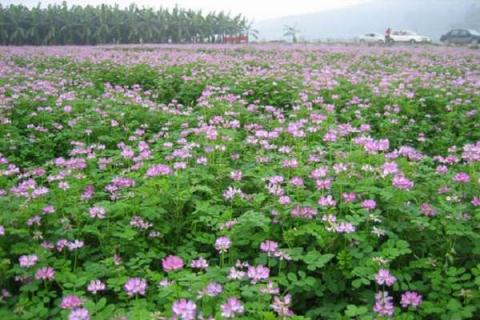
[
  {"x": 461, "y": 36},
  {"x": 409, "y": 37},
  {"x": 371, "y": 38}
]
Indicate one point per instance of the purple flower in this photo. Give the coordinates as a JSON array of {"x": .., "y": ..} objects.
[
  {"x": 2, "y": 231},
  {"x": 384, "y": 276},
  {"x": 327, "y": 201},
  {"x": 231, "y": 308},
  {"x": 185, "y": 309},
  {"x": 222, "y": 244},
  {"x": 71, "y": 302},
  {"x": 48, "y": 209},
  {"x": 349, "y": 197},
  {"x": 28, "y": 261},
  {"x": 411, "y": 298},
  {"x": 269, "y": 246},
  {"x": 401, "y": 182},
  {"x": 235, "y": 274},
  {"x": 97, "y": 212},
  {"x": 369, "y": 204},
  {"x": 79, "y": 314},
  {"x": 475, "y": 202},
  {"x": 165, "y": 283},
  {"x": 284, "y": 200},
  {"x": 213, "y": 289},
  {"x": 231, "y": 192},
  {"x": 461, "y": 177},
  {"x": 383, "y": 304},
  {"x": 159, "y": 170},
  {"x": 389, "y": 168},
  {"x": 323, "y": 184},
  {"x": 88, "y": 193},
  {"x": 95, "y": 286},
  {"x": 257, "y": 273},
  {"x": 428, "y": 210},
  {"x": 135, "y": 286},
  {"x": 236, "y": 175},
  {"x": 74, "y": 245},
  {"x": 45, "y": 273},
  {"x": 303, "y": 212},
  {"x": 199, "y": 263},
  {"x": 345, "y": 227},
  {"x": 172, "y": 263},
  {"x": 296, "y": 181},
  {"x": 281, "y": 306},
  {"x": 441, "y": 169}
]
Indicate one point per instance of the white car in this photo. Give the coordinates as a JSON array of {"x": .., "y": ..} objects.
[
  {"x": 409, "y": 36},
  {"x": 371, "y": 38}
]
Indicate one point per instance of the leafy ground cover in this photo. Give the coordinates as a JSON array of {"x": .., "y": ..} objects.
[{"x": 210, "y": 182}]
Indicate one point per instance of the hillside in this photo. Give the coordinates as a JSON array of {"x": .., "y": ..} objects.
[{"x": 429, "y": 17}]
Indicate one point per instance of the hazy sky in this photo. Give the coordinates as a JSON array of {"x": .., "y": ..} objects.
[{"x": 253, "y": 9}]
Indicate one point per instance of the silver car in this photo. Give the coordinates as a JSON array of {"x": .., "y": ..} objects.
[{"x": 371, "y": 38}]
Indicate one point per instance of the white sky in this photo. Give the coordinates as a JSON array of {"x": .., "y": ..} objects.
[{"x": 253, "y": 9}]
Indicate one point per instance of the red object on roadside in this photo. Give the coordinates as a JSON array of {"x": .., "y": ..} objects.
[{"x": 235, "y": 39}]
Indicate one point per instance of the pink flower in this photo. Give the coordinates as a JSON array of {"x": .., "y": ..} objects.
[
  {"x": 79, "y": 314},
  {"x": 172, "y": 263},
  {"x": 74, "y": 245},
  {"x": 401, "y": 182},
  {"x": 222, "y": 244},
  {"x": 135, "y": 286},
  {"x": 159, "y": 170},
  {"x": 28, "y": 261},
  {"x": 185, "y": 309},
  {"x": 461, "y": 177},
  {"x": 213, "y": 289},
  {"x": 48, "y": 209},
  {"x": 384, "y": 276},
  {"x": 369, "y": 204},
  {"x": 349, "y": 197},
  {"x": 284, "y": 200},
  {"x": 95, "y": 286},
  {"x": 268, "y": 246},
  {"x": 441, "y": 169},
  {"x": 296, "y": 181},
  {"x": 327, "y": 201},
  {"x": 303, "y": 212},
  {"x": 475, "y": 202},
  {"x": 64, "y": 185},
  {"x": 281, "y": 306},
  {"x": 235, "y": 274},
  {"x": 319, "y": 173},
  {"x": 411, "y": 298},
  {"x": 383, "y": 304},
  {"x": 45, "y": 273},
  {"x": 97, "y": 212},
  {"x": 428, "y": 210},
  {"x": 231, "y": 308},
  {"x": 345, "y": 227},
  {"x": 258, "y": 273},
  {"x": 323, "y": 184},
  {"x": 71, "y": 302},
  {"x": 199, "y": 263},
  {"x": 389, "y": 168},
  {"x": 236, "y": 175},
  {"x": 88, "y": 193}
]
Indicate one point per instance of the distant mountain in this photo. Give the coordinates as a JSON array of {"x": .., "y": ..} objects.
[{"x": 428, "y": 17}]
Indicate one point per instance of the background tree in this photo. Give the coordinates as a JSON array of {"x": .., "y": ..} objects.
[
  {"x": 89, "y": 25},
  {"x": 291, "y": 32}
]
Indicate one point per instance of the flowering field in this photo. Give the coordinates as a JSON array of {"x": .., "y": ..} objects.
[{"x": 210, "y": 182}]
